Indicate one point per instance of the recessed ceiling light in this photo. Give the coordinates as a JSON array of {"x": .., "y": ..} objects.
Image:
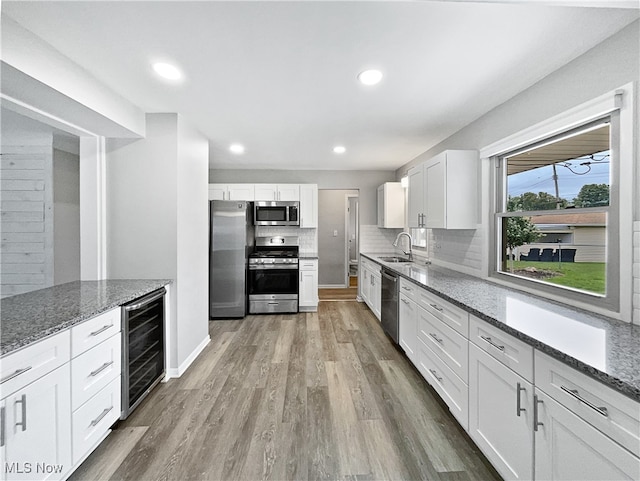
[
  {"x": 370, "y": 77},
  {"x": 237, "y": 148},
  {"x": 167, "y": 71},
  {"x": 339, "y": 149}
]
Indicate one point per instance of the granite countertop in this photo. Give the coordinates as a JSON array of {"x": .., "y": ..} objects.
[
  {"x": 308, "y": 255},
  {"x": 605, "y": 349},
  {"x": 30, "y": 317}
]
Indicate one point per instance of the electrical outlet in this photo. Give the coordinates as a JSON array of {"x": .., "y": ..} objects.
[{"x": 335, "y": 233}]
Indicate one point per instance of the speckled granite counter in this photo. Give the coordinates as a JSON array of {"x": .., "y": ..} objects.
[
  {"x": 27, "y": 318},
  {"x": 606, "y": 349},
  {"x": 308, "y": 255}
]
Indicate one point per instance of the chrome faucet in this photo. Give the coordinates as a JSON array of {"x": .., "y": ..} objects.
[{"x": 395, "y": 244}]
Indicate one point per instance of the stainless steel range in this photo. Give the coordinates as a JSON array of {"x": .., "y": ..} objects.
[{"x": 273, "y": 275}]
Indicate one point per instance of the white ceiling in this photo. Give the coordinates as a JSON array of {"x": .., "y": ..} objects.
[{"x": 280, "y": 77}]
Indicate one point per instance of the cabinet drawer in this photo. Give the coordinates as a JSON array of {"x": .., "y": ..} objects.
[
  {"x": 511, "y": 352},
  {"x": 308, "y": 265},
  {"x": 447, "y": 384},
  {"x": 370, "y": 265},
  {"x": 94, "y": 369},
  {"x": 92, "y": 332},
  {"x": 92, "y": 421},
  {"x": 22, "y": 367},
  {"x": 611, "y": 412},
  {"x": 450, "y": 346},
  {"x": 409, "y": 289},
  {"x": 451, "y": 315}
]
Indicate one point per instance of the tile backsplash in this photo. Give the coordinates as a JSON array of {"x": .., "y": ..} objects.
[
  {"x": 376, "y": 239},
  {"x": 308, "y": 238}
]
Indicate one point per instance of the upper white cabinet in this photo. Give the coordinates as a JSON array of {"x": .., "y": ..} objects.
[
  {"x": 309, "y": 205},
  {"x": 443, "y": 191},
  {"x": 231, "y": 192},
  {"x": 286, "y": 192},
  {"x": 391, "y": 205},
  {"x": 415, "y": 204}
]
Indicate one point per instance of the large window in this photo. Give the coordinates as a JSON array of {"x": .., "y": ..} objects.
[{"x": 556, "y": 213}]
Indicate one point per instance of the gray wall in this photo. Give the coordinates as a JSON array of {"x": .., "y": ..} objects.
[
  {"x": 366, "y": 182},
  {"x": 66, "y": 217},
  {"x": 331, "y": 250}
]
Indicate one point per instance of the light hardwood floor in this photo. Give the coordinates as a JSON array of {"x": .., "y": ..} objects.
[{"x": 310, "y": 396}]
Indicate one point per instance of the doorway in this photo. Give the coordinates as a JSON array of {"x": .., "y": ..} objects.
[{"x": 351, "y": 247}]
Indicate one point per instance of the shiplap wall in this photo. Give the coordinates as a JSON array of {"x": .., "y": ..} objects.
[{"x": 26, "y": 226}]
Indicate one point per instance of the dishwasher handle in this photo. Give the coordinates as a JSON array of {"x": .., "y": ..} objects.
[
  {"x": 146, "y": 300},
  {"x": 390, "y": 277}
]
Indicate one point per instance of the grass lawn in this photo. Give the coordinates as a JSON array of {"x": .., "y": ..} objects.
[{"x": 587, "y": 276}]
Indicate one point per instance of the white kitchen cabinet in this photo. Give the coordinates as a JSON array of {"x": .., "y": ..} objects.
[
  {"x": 308, "y": 205},
  {"x": 415, "y": 196},
  {"x": 375, "y": 294},
  {"x": 501, "y": 415},
  {"x": 569, "y": 448},
  {"x": 283, "y": 192},
  {"x": 37, "y": 428},
  {"x": 408, "y": 326},
  {"x": 391, "y": 205},
  {"x": 364, "y": 283},
  {"x": 231, "y": 192},
  {"x": 308, "y": 297},
  {"x": 450, "y": 190},
  {"x": 371, "y": 285}
]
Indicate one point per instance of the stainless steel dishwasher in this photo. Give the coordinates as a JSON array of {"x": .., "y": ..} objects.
[{"x": 389, "y": 304}]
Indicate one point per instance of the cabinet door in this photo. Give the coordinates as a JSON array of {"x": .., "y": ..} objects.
[
  {"x": 376, "y": 294},
  {"x": 266, "y": 192},
  {"x": 309, "y": 205},
  {"x": 569, "y": 448},
  {"x": 381, "y": 206},
  {"x": 38, "y": 429},
  {"x": 241, "y": 192},
  {"x": 288, "y": 192},
  {"x": 217, "y": 192},
  {"x": 415, "y": 209},
  {"x": 408, "y": 327},
  {"x": 365, "y": 286},
  {"x": 501, "y": 415},
  {"x": 435, "y": 192},
  {"x": 308, "y": 288}
]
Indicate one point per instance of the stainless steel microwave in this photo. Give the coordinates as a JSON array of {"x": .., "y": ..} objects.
[{"x": 276, "y": 213}]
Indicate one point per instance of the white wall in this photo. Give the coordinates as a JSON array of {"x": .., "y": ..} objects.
[
  {"x": 366, "y": 182},
  {"x": 157, "y": 223},
  {"x": 66, "y": 216}
]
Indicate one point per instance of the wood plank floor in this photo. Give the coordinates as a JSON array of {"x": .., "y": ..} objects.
[
  {"x": 338, "y": 294},
  {"x": 310, "y": 396}
]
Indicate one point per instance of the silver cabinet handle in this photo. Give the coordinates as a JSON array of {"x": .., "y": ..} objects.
[
  {"x": 2, "y": 426},
  {"x": 100, "y": 369},
  {"x": 574, "y": 393},
  {"x": 536, "y": 423},
  {"x": 435, "y": 374},
  {"x": 100, "y": 417},
  {"x": 436, "y": 307},
  {"x": 435, "y": 337},
  {"x": 23, "y": 402},
  {"x": 488, "y": 340},
  {"x": 406, "y": 288},
  {"x": 101, "y": 330},
  {"x": 405, "y": 301},
  {"x": 519, "y": 407},
  {"x": 16, "y": 373}
]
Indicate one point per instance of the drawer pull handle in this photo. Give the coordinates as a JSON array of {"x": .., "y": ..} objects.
[
  {"x": 490, "y": 341},
  {"x": 101, "y": 330},
  {"x": 23, "y": 402},
  {"x": 574, "y": 393},
  {"x": 436, "y": 307},
  {"x": 101, "y": 368},
  {"x": 435, "y": 337},
  {"x": 406, "y": 288},
  {"x": 435, "y": 374},
  {"x": 16, "y": 373},
  {"x": 100, "y": 417},
  {"x": 536, "y": 423},
  {"x": 405, "y": 302},
  {"x": 519, "y": 407}
]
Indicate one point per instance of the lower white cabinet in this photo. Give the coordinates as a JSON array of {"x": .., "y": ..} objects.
[
  {"x": 375, "y": 294},
  {"x": 36, "y": 429},
  {"x": 501, "y": 415},
  {"x": 408, "y": 327},
  {"x": 569, "y": 448},
  {"x": 308, "y": 289},
  {"x": 371, "y": 285}
]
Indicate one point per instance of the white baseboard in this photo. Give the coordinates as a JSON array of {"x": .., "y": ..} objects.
[{"x": 172, "y": 373}]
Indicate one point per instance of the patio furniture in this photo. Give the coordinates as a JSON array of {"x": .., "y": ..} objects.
[
  {"x": 532, "y": 255},
  {"x": 546, "y": 255},
  {"x": 568, "y": 255}
]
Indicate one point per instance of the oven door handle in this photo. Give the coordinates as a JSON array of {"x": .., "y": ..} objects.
[{"x": 290, "y": 267}]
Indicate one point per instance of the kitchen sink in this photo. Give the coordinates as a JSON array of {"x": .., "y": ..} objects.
[{"x": 394, "y": 259}]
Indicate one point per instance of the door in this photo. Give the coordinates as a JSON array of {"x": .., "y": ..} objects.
[
  {"x": 569, "y": 448},
  {"x": 288, "y": 192},
  {"x": 217, "y": 191},
  {"x": 435, "y": 192},
  {"x": 501, "y": 415},
  {"x": 415, "y": 208},
  {"x": 241, "y": 192},
  {"x": 408, "y": 327},
  {"x": 38, "y": 429}
]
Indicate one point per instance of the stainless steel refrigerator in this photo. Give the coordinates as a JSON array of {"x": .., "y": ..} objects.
[{"x": 231, "y": 240}]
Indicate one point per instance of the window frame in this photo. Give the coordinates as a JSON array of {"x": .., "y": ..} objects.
[{"x": 620, "y": 106}]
